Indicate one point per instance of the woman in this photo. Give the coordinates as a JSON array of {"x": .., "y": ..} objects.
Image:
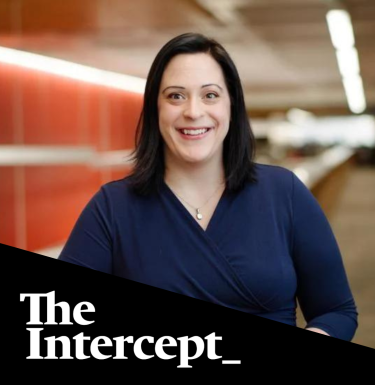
[{"x": 199, "y": 217}]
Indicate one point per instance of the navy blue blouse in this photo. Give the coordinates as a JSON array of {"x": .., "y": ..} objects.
[{"x": 263, "y": 248}]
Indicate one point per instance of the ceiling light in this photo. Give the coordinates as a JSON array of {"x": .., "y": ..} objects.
[
  {"x": 72, "y": 70},
  {"x": 348, "y": 61},
  {"x": 354, "y": 93},
  {"x": 340, "y": 28}
]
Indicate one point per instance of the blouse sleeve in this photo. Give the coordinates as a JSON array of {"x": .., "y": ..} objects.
[
  {"x": 323, "y": 290},
  {"x": 90, "y": 242}
]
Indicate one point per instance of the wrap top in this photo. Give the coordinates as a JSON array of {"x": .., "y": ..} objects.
[{"x": 264, "y": 247}]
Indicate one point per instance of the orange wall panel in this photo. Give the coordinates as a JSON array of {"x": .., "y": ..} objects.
[
  {"x": 96, "y": 123},
  {"x": 39, "y": 205},
  {"x": 90, "y": 101},
  {"x": 125, "y": 109},
  {"x": 34, "y": 102},
  {"x": 51, "y": 109},
  {"x": 7, "y": 206},
  {"x": 6, "y": 104},
  {"x": 55, "y": 196}
]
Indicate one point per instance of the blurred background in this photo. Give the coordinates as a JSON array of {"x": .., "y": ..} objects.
[{"x": 72, "y": 76}]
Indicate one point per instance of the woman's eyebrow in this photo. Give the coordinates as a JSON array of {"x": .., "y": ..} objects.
[
  {"x": 212, "y": 84},
  {"x": 182, "y": 88}
]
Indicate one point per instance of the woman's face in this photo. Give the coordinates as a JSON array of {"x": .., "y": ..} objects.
[{"x": 194, "y": 109}]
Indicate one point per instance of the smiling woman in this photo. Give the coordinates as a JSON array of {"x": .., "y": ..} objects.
[
  {"x": 198, "y": 217},
  {"x": 193, "y": 83}
]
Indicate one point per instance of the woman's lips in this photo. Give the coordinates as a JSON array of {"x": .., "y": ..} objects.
[{"x": 187, "y": 132}]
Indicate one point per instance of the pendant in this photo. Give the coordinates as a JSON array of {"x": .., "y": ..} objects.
[{"x": 199, "y": 215}]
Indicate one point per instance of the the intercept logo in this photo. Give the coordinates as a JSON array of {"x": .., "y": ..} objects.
[{"x": 118, "y": 344}]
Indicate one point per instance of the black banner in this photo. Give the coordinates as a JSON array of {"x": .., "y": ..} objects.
[{"x": 66, "y": 313}]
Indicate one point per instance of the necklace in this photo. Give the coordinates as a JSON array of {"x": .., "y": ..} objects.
[{"x": 198, "y": 214}]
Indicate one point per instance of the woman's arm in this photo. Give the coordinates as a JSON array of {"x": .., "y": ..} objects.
[
  {"x": 90, "y": 242},
  {"x": 323, "y": 290},
  {"x": 316, "y": 330}
]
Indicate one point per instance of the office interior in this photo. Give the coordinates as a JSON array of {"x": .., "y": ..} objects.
[{"x": 72, "y": 77}]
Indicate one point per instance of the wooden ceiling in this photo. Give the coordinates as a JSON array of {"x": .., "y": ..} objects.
[{"x": 282, "y": 48}]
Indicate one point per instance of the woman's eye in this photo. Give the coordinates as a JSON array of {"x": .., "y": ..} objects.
[
  {"x": 211, "y": 95},
  {"x": 175, "y": 96}
]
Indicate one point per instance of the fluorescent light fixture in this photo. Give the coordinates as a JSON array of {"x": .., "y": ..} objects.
[
  {"x": 342, "y": 36},
  {"x": 298, "y": 116},
  {"x": 348, "y": 61},
  {"x": 72, "y": 70},
  {"x": 354, "y": 93},
  {"x": 340, "y": 28}
]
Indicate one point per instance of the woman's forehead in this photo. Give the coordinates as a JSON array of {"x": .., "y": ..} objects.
[{"x": 199, "y": 69}]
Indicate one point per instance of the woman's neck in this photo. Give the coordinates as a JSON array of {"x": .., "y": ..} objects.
[{"x": 192, "y": 176}]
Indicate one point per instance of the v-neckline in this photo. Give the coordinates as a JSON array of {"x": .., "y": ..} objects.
[{"x": 214, "y": 218}]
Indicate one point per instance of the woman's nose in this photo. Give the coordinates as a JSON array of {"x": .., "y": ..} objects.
[{"x": 193, "y": 109}]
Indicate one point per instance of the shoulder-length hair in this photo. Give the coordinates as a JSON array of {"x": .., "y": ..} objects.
[{"x": 239, "y": 144}]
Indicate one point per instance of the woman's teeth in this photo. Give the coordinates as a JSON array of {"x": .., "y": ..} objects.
[{"x": 195, "y": 132}]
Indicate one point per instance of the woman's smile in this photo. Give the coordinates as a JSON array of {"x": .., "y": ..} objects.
[{"x": 194, "y": 133}]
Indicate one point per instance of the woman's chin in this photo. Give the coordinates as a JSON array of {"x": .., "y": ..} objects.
[
  {"x": 190, "y": 157},
  {"x": 193, "y": 159}
]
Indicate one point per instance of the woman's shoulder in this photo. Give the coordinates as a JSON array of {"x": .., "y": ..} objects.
[
  {"x": 281, "y": 182},
  {"x": 273, "y": 176},
  {"x": 122, "y": 185},
  {"x": 118, "y": 189},
  {"x": 270, "y": 169}
]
